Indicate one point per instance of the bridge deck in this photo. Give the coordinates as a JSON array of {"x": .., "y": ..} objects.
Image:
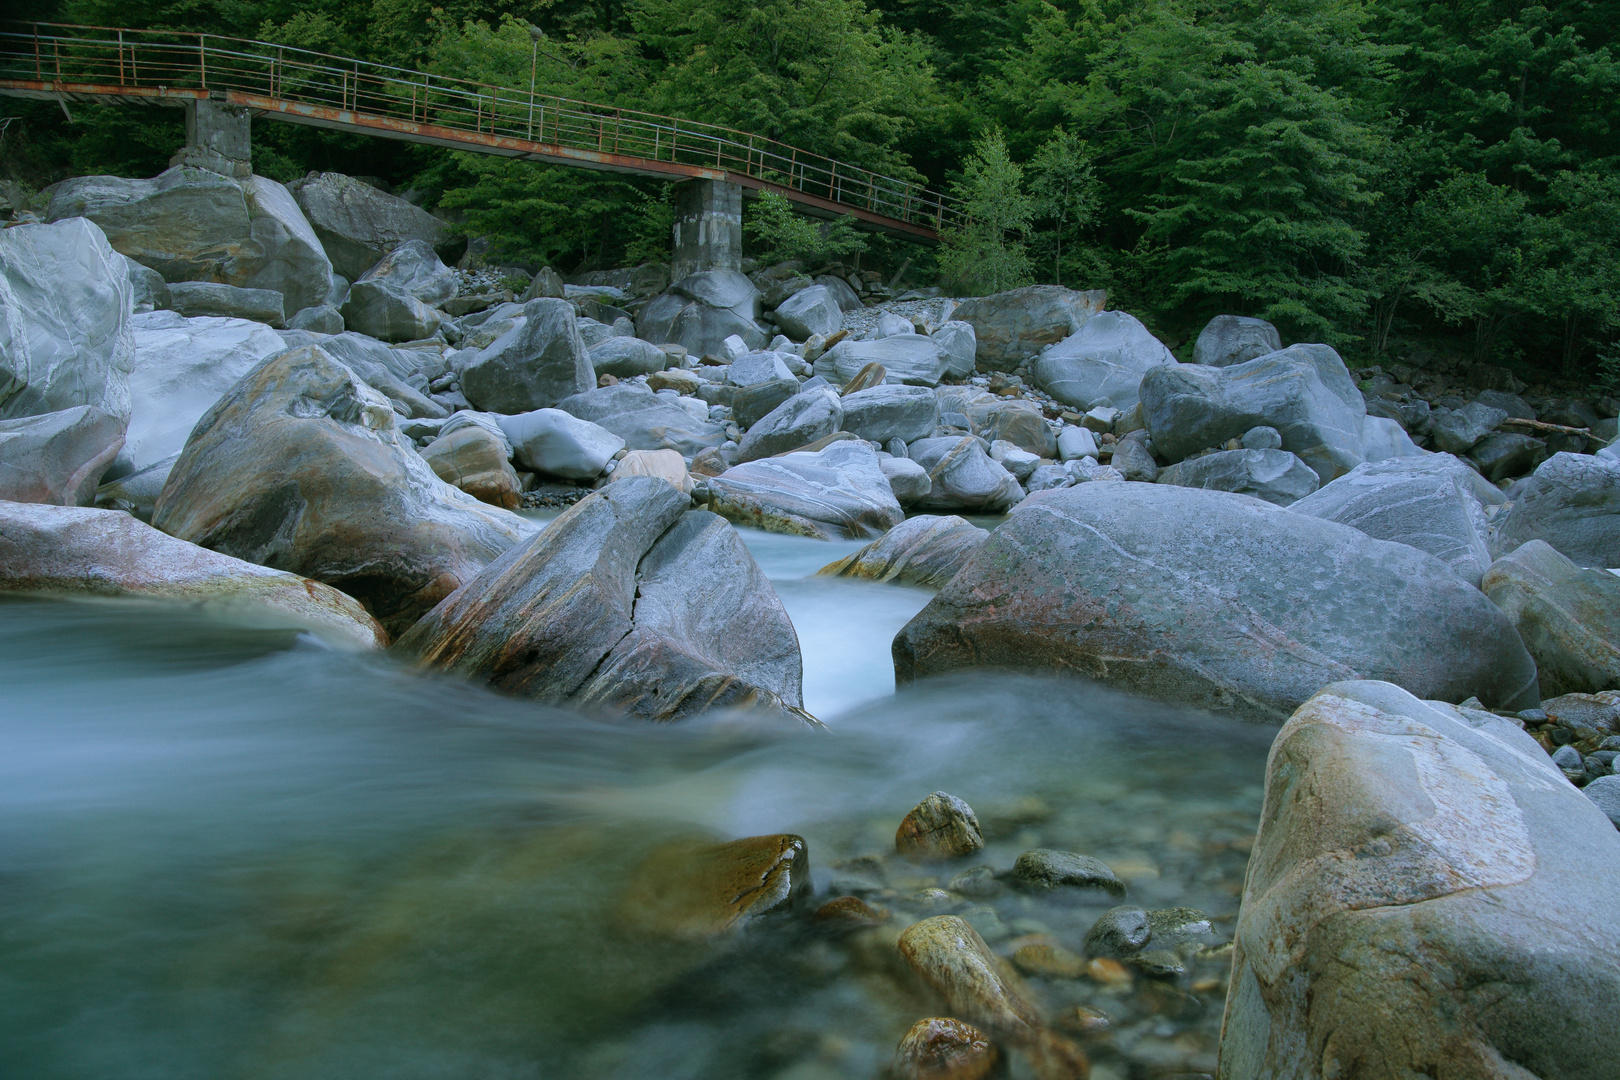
[{"x": 99, "y": 64}]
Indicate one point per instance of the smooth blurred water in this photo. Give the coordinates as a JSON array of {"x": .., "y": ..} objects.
[{"x": 229, "y": 853}]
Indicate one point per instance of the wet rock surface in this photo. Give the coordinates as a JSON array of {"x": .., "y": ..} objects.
[
  {"x": 924, "y": 551},
  {"x": 940, "y": 827}
]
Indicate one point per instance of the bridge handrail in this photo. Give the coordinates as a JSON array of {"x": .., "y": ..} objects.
[{"x": 69, "y": 54}]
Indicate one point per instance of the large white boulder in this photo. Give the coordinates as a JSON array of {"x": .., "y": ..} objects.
[
  {"x": 1102, "y": 363},
  {"x": 1572, "y": 501},
  {"x": 358, "y": 224}
]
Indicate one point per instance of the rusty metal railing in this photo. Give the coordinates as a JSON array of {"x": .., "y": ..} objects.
[{"x": 301, "y": 86}]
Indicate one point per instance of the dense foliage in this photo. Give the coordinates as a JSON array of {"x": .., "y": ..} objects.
[{"x": 1369, "y": 172}]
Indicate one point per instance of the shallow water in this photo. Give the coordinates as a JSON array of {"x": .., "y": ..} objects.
[{"x": 228, "y": 852}]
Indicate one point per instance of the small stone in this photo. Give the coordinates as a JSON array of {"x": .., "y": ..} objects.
[
  {"x": 871, "y": 375},
  {"x": 952, "y": 958},
  {"x": 940, "y": 827},
  {"x": 1122, "y": 931},
  {"x": 978, "y": 883},
  {"x": 1049, "y": 961},
  {"x": 1047, "y": 869},
  {"x": 1083, "y": 1020},
  {"x": 942, "y": 1048},
  {"x": 1206, "y": 985},
  {"x": 987, "y": 922},
  {"x": 606, "y": 380},
  {"x": 1108, "y": 972},
  {"x": 1180, "y": 928},
  {"x": 1534, "y": 716},
  {"x": 1160, "y": 962},
  {"x": 932, "y": 898},
  {"x": 851, "y": 912},
  {"x": 1261, "y": 438}
]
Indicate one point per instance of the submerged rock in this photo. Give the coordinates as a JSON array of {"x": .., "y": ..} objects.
[
  {"x": 1044, "y": 869},
  {"x": 1569, "y": 618},
  {"x": 1427, "y": 896},
  {"x": 699, "y": 891},
  {"x": 1213, "y": 600},
  {"x": 940, "y": 827},
  {"x": 942, "y": 1048},
  {"x": 1122, "y": 932},
  {"x": 835, "y": 493},
  {"x": 953, "y": 959},
  {"x": 300, "y": 467},
  {"x": 626, "y": 601},
  {"x": 74, "y": 552},
  {"x": 925, "y": 551}
]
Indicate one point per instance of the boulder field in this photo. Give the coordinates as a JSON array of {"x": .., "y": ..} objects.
[{"x": 326, "y": 426}]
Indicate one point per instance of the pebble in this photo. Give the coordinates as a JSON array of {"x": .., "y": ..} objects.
[
  {"x": 1083, "y": 1020},
  {"x": 1108, "y": 971},
  {"x": 1160, "y": 962},
  {"x": 1049, "y": 961},
  {"x": 940, "y": 827},
  {"x": 1122, "y": 931},
  {"x": 932, "y": 898},
  {"x": 943, "y": 1048},
  {"x": 953, "y": 959},
  {"x": 977, "y": 882},
  {"x": 1044, "y": 868},
  {"x": 850, "y": 911}
]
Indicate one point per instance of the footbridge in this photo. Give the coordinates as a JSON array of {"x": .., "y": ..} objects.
[{"x": 223, "y": 82}]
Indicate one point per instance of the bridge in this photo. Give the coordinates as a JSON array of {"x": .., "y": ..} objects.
[{"x": 223, "y": 81}]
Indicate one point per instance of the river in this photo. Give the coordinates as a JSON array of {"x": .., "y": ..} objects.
[{"x": 228, "y": 852}]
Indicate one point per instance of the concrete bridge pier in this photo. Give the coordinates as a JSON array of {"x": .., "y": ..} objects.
[
  {"x": 708, "y": 227},
  {"x": 216, "y": 139}
]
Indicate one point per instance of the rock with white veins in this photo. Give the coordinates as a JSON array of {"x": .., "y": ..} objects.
[
  {"x": 924, "y": 551},
  {"x": 1427, "y": 896},
  {"x": 838, "y": 492},
  {"x": 77, "y": 552}
]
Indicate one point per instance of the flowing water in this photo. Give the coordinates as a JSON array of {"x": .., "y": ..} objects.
[{"x": 235, "y": 853}]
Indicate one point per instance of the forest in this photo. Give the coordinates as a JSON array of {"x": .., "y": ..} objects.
[{"x": 1388, "y": 176}]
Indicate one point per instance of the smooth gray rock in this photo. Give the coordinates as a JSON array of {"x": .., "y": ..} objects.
[
  {"x": 801, "y": 419},
  {"x": 717, "y": 288},
  {"x": 197, "y": 298},
  {"x": 1304, "y": 391},
  {"x": 1012, "y": 326},
  {"x": 959, "y": 344},
  {"x": 1434, "y": 503},
  {"x": 1102, "y": 363},
  {"x": 891, "y": 325},
  {"x": 379, "y": 310},
  {"x": 1014, "y": 458},
  {"x": 1013, "y": 420},
  {"x": 301, "y": 467},
  {"x": 1261, "y": 438},
  {"x": 963, "y": 477},
  {"x": 182, "y": 367},
  {"x": 1133, "y": 457},
  {"x": 757, "y": 367},
  {"x": 644, "y": 420},
  {"x": 1043, "y": 870},
  {"x": 908, "y": 480},
  {"x": 1121, "y": 932},
  {"x": 1572, "y": 501},
  {"x": 1427, "y": 895},
  {"x": 1512, "y": 404},
  {"x": 1604, "y": 793},
  {"x": 846, "y": 298},
  {"x": 1235, "y": 339},
  {"x": 1504, "y": 454},
  {"x": 1213, "y": 600},
  {"x": 1077, "y": 442},
  {"x": 358, "y": 225},
  {"x": 1383, "y": 439},
  {"x": 627, "y": 601},
  {"x": 809, "y": 312},
  {"x": 190, "y": 224},
  {"x": 545, "y": 285},
  {"x": 923, "y": 551},
  {"x": 65, "y": 341},
  {"x": 1276, "y": 476},
  {"x": 881, "y": 413},
  {"x": 534, "y": 365},
  {"x": 556, "y": 443},
  {"x": 910, "y": 358},
  {"x": 148, "y": 290},
  {"x": 322, "y": 319},
  {"x": 750, "y": 403},
  {"x": 1457, "y": 430},
  {"x": 57, "y": 457},
  {"x": 700, "y": 311},
  {"x": 1569, "y": 618},
  {"x": 624, "y": 357},
  {"x": 395, "y": 372},
  {"x": 836, "y": 493},
  {"x": 413, "y": 268}
]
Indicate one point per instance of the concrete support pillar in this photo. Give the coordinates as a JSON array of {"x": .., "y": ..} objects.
[
  {"x": 217, "y": 139},
  {"x": 708, "y": 227}
]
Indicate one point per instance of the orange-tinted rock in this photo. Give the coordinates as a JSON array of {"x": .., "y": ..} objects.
[
  {"x": 1050, "y": 961},
  {"x": 474, "y": 460},
  {"x": 941, "y": 1048},
  {"x": 696, "y": 890},
  {"x": 1108, "y": 972},
  {"x": 953, "y": 959},
  {"x": 851, "y": 911},
  {"x": 940, "y": 827}
]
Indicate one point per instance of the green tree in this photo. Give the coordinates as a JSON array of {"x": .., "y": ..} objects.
[
  {"x": 778, "y": 233},
  {"x": 977, "y": 254},
  {"x": 1063, "y": 194}
]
